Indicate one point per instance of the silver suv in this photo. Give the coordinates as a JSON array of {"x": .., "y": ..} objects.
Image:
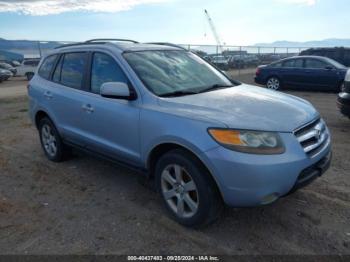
[{"x": 203, "y": 138}]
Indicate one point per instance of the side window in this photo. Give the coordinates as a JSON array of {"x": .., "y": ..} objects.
[
  {"x": 298, "y": 63},
  {"x": 57, "y": 74},
  {"x": 73, "y": 69},
  {"x": 289, "y": 63},
  {"x": 276, "y": 65},
  {"x": 105, "y": 69},
  {"x": 314, "y": 64},
  {"x": 46, "y": 67},
  {"x": 293, "y": 63}
]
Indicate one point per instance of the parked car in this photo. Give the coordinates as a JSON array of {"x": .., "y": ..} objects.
[
  {"x": 220, "y": 61},
  {"x": 202, "y": 138},
  {"x": 316, "y": 72},
  {"x": 242, "y": 61},
  {"x": 6, "y": 66},
  {"x": 28, "y": 68},
  {"x": 5, "y": 74},
  {"x": 344, "y": 96},
  {"x": 339, "y": 54}
]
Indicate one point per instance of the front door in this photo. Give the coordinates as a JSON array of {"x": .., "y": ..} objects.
[
  {"x": 111, "y": 126},
  {"x": 320, "y": 74}
]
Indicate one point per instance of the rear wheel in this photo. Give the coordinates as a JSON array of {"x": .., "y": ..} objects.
[
  {"x": 51, "y": 141},
  {"x": 273, "y": 83},
  {"x": 187, "y": 190}
]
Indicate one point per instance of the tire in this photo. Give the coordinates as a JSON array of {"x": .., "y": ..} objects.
[
  {"x": 200, "y": 201},
  {"x": 51, "y": 141},
  {"x": 29, "y": 76},
  {"x": 273, "y": 83}
]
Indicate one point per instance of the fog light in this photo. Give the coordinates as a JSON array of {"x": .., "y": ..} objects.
[{"x": 269, "y": 199}]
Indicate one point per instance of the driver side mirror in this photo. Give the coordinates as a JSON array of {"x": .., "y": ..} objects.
[
  {"x": 117, "y": 90},
  {"x": 329, "y": 67}
]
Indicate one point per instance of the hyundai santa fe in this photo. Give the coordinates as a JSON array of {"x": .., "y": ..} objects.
[{"x": 203, "y": 138}]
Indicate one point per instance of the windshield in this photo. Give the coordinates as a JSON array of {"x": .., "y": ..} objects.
[{"x": 175, "y": 72}]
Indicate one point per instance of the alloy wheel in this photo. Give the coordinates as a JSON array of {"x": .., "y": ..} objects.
[
  {"x": 273, "y": 83},
  {"x": 49, "y": 140},
  {"x": 179, "y": 190}
]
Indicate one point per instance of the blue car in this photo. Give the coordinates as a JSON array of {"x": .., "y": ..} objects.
[
  {"x": 303, "y": 72},
  {"x": 202, "y": 138}
]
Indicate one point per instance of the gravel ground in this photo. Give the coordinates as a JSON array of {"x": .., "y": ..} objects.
[{"x": 89, "y": 206}]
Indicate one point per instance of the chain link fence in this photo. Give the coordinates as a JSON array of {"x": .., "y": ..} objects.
[
  {"x": 233, "y": 58},
  {"x": 237, "y": 58}
]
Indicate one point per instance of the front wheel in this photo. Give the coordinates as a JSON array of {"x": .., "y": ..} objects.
[
  {"x": 187, "y": 190},
  {"x": 273, "y": 83}
]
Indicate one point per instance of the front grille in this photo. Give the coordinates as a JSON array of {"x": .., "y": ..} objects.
[{"x": 313, "y": 137}]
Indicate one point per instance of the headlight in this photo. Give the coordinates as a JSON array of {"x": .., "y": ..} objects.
[{"x": 253, "y": 142}]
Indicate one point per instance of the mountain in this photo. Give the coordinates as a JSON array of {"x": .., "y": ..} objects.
[
  {"x": 26, "y": 44},
  {"x": 28, "y": 48},
  {"x": 332, "y": 42}
]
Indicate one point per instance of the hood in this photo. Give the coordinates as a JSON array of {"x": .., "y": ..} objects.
[{"x": 245, "y": 107}]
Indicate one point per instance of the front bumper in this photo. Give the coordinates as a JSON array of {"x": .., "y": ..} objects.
[{"x": 251, "y": 180}]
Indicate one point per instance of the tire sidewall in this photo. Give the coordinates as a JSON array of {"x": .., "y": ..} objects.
[{"x": 199, "y": 175}]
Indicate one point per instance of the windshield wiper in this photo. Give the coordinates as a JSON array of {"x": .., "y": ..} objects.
[
  {"x": 178, "y": 93},
  {"x": 215, "y": 87}
]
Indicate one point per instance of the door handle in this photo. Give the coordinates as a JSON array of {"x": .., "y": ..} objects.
[
  {"x": 88, "y": 108},
  {"x": 48, "y": 94}
]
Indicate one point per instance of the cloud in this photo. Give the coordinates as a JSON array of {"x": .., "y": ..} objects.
[
  {"x": 299, "y": 2},
  {"x": 49, "y": 7}
]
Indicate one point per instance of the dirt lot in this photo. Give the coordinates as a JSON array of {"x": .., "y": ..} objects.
[{"x": 89, "y": 206}]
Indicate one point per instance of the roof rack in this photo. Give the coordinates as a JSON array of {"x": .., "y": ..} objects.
[
  {"x": 97, "y": 41},
  {"x": 110, "y": 39},
  {"x": 75, "y": 44},
  {"x": 167, "y": 44}
]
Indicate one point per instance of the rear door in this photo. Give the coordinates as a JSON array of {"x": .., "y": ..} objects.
[
  {"x": 320, "y": 74},
  {"x": 292, "y": 72},
  {"x": 66, "y": 95}
]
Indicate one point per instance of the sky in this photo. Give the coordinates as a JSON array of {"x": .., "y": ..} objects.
[{"x": 238, "y": 22}]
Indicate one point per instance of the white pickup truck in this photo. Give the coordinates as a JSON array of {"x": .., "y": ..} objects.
[{"x": 28, "y": 68}]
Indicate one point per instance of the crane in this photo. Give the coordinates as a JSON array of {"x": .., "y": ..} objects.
[{"x": 213, "y": 29}]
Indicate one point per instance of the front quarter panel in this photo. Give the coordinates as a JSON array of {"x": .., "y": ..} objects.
[{"x": 158, "y": 127}]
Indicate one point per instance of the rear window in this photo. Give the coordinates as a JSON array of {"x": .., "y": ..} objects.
[
  {"x": 46, "y": 67},
  {"x": 73, "y": 69}
]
